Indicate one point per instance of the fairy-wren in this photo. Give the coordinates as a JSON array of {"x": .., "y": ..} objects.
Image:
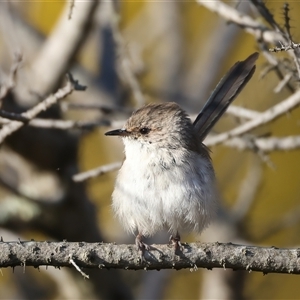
[{"x": 167, "y": 180}]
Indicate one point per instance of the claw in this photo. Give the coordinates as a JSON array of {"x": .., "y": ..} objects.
[
  {"x": 142, "y": 246},
  {"x": 175, "y": 240}
]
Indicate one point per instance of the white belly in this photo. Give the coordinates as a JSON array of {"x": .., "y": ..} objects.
[{"x": 162, "y": 190}]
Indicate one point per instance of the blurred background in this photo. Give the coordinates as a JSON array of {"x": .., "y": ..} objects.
[{"x": 130, "y": 53}]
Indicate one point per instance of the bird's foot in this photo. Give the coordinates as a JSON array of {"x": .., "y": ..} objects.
[
  {"x": 175, "y": 240},
  {"x": 142, "y": 246}
]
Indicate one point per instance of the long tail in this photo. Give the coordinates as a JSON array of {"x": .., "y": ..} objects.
[{"x": 225, "y": 92}]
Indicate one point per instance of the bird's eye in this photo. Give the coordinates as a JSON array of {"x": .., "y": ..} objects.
[{"x": 144, "y": 130}]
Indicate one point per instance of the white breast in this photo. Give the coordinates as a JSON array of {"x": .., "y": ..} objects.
[{"x": 157, "y": 189}]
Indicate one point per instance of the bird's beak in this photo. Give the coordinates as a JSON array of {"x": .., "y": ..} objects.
[{"x": 119, "y": 132}]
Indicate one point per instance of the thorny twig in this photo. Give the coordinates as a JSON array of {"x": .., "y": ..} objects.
[
  {"x": 287, "y": 39},
  {"x": 283, "y": 47}
]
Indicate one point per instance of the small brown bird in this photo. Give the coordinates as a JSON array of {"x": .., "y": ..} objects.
[{"x": 167, "y": 180}]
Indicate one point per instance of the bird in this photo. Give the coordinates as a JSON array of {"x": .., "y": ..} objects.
[{"x": 167, "y": 180}]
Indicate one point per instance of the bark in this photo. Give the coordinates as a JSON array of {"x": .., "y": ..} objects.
[{"x": 112, "y": 256}]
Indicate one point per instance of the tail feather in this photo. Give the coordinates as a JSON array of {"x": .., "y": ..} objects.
[{"x": 225, "y": 92}]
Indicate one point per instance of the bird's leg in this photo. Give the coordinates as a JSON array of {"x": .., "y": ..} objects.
[
  {"x": 175, "y": 240},
  {"x": 140, "y": 244}
]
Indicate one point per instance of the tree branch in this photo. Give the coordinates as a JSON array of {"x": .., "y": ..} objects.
[
  {"x": 10, "y": 81},
  {"x": 265, "y": 144},
  {"x": 111, "y": 256},
  {"x": 42, "y": 106},
  {"x": 96, "y": 172},
  {"x": 256, "y": 28},
  {"x": 266, "y": 117},
  {"x": 53, "y": 57}
]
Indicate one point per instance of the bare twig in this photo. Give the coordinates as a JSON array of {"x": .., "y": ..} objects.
[
  {"x": 296, "y": 61},
  {"x": 283, "y": 83},
  {"x": 31, "y": 113},
  {"x": 237, "y": 111},
  {"x": 275, "y": 65},
  {"x": 96, "y": 172},
  {"x": 286, "y": 41},
  {"x": 248, "y": 190},
  {"x": 283, "y": 47},
  {"x": 295, "y": 47},
  {"x": 266, "y": 117},
  {"x": 249, "y": 24},
  {"x": 125, "y": 61},
  {"x": 287, "y": 19},
  {"x": 95, "y": 106},
  {"x": 63, "y": 124},
  {"x": 265, "y": 144},
  {"x": 242, "y": 112},
  {"x": 77, "y": 268},
  {"x": 10, "y": 83},
  {"x": 254, "y": 27},
  {"x": 68, "y": 124},
  {"x": 7, "y": 115},
  {"x": 266, "y": 14},
  {"x": 289, "y": 219},
  {"x": 71, "y": 34}
]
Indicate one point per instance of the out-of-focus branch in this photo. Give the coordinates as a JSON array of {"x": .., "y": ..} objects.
[
  {"x": 265, "y": 144},
  {"x": 97, "y": 172},
  {"x": 31, "y": 113},
  {"x": 62, "y": 124},
  {"x": 285, "y": 80},
  {"x": 274, "y": 65},
  {"x": 238, "y": 111},
  {"x": 10, "y": 82},
  {"x": 248, "y": 190},
  {"x": 242, "y": 112},
  {"x": 17, "y": 34},
  {"x": 287, "y": 25},
  {"x": 282, "y": 47},
  {"x": 95, "y": 106},
  {"x": 266, "y": 117},
  {"x": 289, "y": 219},
  {"x": 111, "y": 256},
  {"x": 262, "y": 33},
  {"x": 266, "y": 14},
  {"x": 249, "y": 24},
  {"x": 126, "y": 65},
  {"x": 59, "y": 49}
]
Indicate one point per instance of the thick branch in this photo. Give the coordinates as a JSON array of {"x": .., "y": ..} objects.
[
  {"x": 61, "y": 46},
  {"x": 193, "y": 256}
]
